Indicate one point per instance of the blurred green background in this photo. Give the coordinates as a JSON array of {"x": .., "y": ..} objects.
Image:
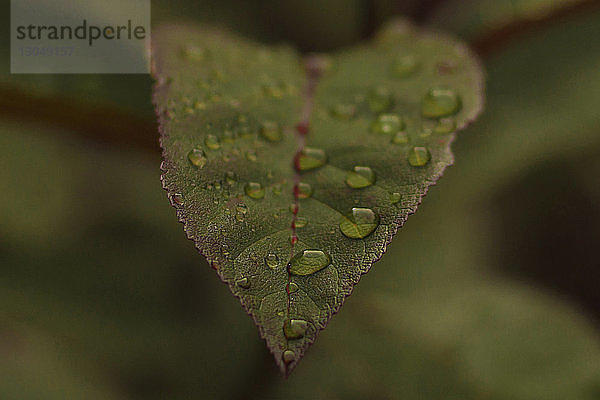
[{"x": 491, "y": 291}]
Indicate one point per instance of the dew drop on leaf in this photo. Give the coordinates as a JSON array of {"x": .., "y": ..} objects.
[
  {"x": 360, "y": 223},
  {"x": 311, "y": 158},
  {"x": 387, "y": 124},
  {"x": 244, "y": 283},
  {"x": 308, "y": 262},
  {"x": 288, "y": 356},
  {"x": 295, "y": 328},
  {"x": 445, "y": 125},
  {"x": 304, "y": 190},
  {"x": 400, "y": 138},
  {"x": 292, "y": 287},
  {"x": 439, "y": 103},
  {"x": 194, "y": 52},
  {"x": 230, "y": 177},
  {"x": 197, "y": 158},
  {"x": 270, "y": 131},
  {"x": 272, "y": 260},
  {"x": 360, "y": 177},
  {"x": 254, "y": 190},
  {"x": 251, "y": 155},
  {"x": 380, "y": 99},
  {"x": 212, "y": 142},
  {"x": 395, "y": 197},
  {"x": 419, "y": 156},
  {"x": 404, "y": 66},
  {"x": 343, "y": 111},
  {"x": 177, "y": 199},
  {"x": 300, "y": 222}
]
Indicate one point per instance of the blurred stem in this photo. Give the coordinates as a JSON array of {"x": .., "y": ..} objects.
[
  {"x": 112, "y": 126},
  {"x": 489, "y": 43}
]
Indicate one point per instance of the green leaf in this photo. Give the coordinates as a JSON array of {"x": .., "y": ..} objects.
[{"x": 291, "y": 221}]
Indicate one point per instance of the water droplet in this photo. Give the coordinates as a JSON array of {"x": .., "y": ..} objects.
[
  {"x": 295, "y": 328},
  {"x": 300, "y": 222},
  {"x": 271, "y": 90},
  {"x": 400, "y": 138},
  {"x": 419, "y": 156},
  {"x": 380, "y": 99},
  {"x": 439, "y": 103},
  {"x": 446, "y": 125},
  {"x": 254, "y": 190},
  {"x": 387, "y": 124},
  {"x": 288, "y": 356},
  {"x": 230, "y": 177},
  {"x": 197, "y": 157},
  {"x": 308, "y": 262},
  {"x": 212, "y": 142},
  {"x": 404, "y": 66},
  {"x": 360, "y": 177},
  {"x": 304, "y": 190},
  {"x": 292, "y": 287},
  {"x": 395, "y": 197},
  {"x": 244, "y": 283},
  {"x": 277, "y": 189},
  {"x": 272, "y": 260},
  {"x": 194, "y": 52},
  {"x": 343, "y": 111},
  {"x": 311, "y": 158},
  {"x": 270, "y": 131},
  {"x": 251, "y": 155},
  {"x": 360, "y": 223},
  {"x": 177, "y": 198}
]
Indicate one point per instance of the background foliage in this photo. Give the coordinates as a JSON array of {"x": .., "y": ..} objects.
[{"x": 489, "y": 292}]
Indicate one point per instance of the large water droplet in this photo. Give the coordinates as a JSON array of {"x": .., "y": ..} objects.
[
  {"x": 380, "y": 99},
  {"x": 439, "y": 103},
  {"x": 244, "y": 283},
  {"x": 387, "y": 124},
  {"x": 295, "y": 328},
  {"x": 272, "y": 260},
  {"x": 270, "y": 131},
  {"x": 254, "y": 190},
  {"x": 304, "y": 190},
  {"x": 404, "y": 66},
  {"x": 308, "y": 262},
  {"x": 311, "y": 158},
  {"x": 419, "y": 156},
  {"x": 197, "y": 158},
  {"x": 360, "y": 223},
  {"x": 360, "y": 177},
  {"x": 343, "y": 111},
  {"x": 288, "y": 356},
  {"x": 212, "y": 142}
]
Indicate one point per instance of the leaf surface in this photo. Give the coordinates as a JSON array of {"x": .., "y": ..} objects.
[{"x": 292, "y": 176}]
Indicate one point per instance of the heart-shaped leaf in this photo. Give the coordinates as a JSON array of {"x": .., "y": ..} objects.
[{"x": 292, "y": 176}]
